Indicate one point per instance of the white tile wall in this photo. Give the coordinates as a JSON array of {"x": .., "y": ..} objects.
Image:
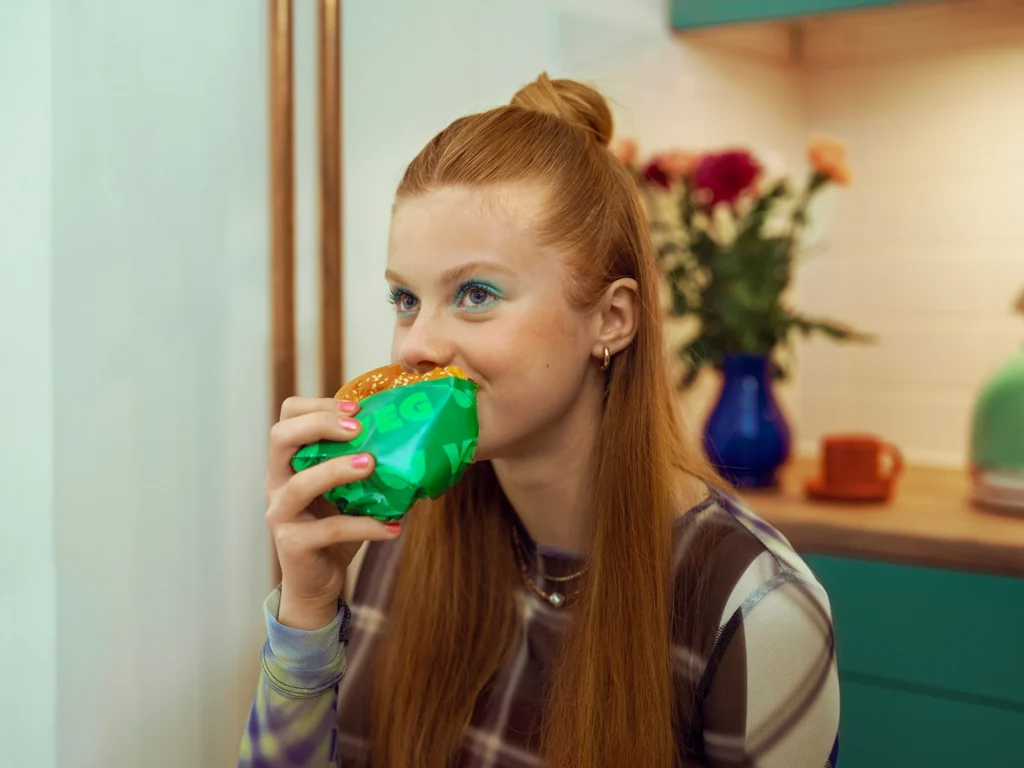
[{"x": 927, "y": 247}]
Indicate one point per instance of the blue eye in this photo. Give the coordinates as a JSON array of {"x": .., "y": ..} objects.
[
  {"x": 405, "y": 303},
  {"x": 475, "y": 296}
]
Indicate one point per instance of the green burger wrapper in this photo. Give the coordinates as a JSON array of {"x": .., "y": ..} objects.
[{"x": 422, "y": 437}]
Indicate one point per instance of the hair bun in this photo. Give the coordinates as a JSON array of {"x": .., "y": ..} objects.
[{"x": 572, "y": 101}]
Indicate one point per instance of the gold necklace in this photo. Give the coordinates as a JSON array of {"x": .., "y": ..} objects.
[{"x": 556, "y": 599}]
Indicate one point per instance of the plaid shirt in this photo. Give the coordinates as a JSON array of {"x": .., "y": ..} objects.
[{"x": 762, "y": 666}]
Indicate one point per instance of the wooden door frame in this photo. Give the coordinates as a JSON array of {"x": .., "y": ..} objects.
[{"x": 281, "y": 57}]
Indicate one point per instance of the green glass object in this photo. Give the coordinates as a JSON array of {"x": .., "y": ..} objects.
[
  {"x": 422, "y": 437},
  {"x": 997, "y": 435}
]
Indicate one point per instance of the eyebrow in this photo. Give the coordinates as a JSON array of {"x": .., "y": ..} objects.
[{"x": 460, "y": 273}]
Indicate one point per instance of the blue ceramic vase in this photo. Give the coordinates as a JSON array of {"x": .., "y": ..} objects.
[{"x": 746, "y": 436}]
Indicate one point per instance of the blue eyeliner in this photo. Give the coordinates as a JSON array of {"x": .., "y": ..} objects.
[
  {"x": 494, "y": 291},
  {"x": 398, "y": 296}
]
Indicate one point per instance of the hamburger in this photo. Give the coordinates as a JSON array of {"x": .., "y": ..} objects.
[{"x": 421, "y": 429}]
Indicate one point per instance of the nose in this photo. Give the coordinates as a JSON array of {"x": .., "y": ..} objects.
[{"x": 422, "y": 346}]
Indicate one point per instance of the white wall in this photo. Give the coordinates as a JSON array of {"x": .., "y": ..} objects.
[
  {"x": 160, "y": 376},
  {"x": 926, "y": 247},
  {"x": 28, "y": 601},
  {"x": 135, "y": 406}
]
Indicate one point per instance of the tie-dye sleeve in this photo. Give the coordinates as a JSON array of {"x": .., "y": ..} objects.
[{"x": 293, "y": 720}]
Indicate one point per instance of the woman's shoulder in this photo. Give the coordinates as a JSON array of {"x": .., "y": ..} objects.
[
  {"x": 724, "y": 535},
  {"x": 728, "y": 561},
  {"x": 759, "y": 621}
]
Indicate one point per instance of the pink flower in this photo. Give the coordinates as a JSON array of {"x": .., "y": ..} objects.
[
  {"x": 679, "y": 164},
  {"x": 828, "y": 157},
  {"x": 670, "y": 168},
  {"x": 655, "y": 174},
  {"x": 724, "y": 177},
  {"x": 625, "y": 151}
]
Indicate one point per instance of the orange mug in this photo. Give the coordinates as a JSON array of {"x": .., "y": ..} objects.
[{"x": 856, "y": 461}]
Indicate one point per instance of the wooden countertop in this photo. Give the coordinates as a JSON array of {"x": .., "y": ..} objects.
[{"x": 929, "y": 521}]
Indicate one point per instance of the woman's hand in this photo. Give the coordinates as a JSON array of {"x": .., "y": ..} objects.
[{"x": 314, "y": 543}]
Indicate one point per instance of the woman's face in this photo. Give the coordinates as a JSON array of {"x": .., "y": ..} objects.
[{"x": 472, "y": 287}]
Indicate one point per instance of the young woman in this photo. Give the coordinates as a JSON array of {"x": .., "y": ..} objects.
[{"x": 588, "y": 595}]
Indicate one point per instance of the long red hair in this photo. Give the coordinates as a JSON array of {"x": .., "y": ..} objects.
[{"x": 453, "y": 621}]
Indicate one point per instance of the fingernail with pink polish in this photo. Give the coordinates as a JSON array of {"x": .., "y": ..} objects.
[
  {"x": 347, "y": 406},
  {"x": 393, "y": 528},
  {"x": 360, "y": 461},
  {"x": 349, "y": 424}
]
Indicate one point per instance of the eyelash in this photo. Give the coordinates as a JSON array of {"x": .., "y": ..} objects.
[{"x": 398, "y": 295}]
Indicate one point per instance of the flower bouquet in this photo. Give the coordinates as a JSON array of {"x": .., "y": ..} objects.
[{"x": 728, "y": 240}]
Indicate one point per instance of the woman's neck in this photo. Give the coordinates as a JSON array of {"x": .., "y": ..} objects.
[{"x": 549, "y": 486}]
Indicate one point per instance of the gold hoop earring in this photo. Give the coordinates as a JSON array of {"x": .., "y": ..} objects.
[{"x": 607, "y": 360}]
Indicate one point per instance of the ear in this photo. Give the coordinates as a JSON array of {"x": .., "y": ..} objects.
[{"x": 617, "y": 317}]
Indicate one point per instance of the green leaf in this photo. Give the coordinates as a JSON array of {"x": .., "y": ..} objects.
[
  {"x": 833, "y": 330},
  {"x": 704, "y": 248},
  {"x": 818, "y": 180},
  {"x": 680, "y": 304},
  {"x": 754, "y": 220},
  {"x": 696, "y": 355},
  {"x": 779, "y": 371}
]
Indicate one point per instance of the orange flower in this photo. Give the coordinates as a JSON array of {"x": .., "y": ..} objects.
[
  {"x": 678, "y": 165},
  {"x": 828, "y": 157},
  {"x": 625, "y": 150}
]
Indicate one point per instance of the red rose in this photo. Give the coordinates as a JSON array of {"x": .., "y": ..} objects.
[
  {"x": 725, "y": 176},
  {"x": 655, "y": 174},
  {"x": 670, "y": 168}
]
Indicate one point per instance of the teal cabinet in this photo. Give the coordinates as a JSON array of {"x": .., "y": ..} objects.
[
  {"x": 931, "y": 664},
  {"x": 688, "y": 14},
  {"x": 890, "y": 727}
]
